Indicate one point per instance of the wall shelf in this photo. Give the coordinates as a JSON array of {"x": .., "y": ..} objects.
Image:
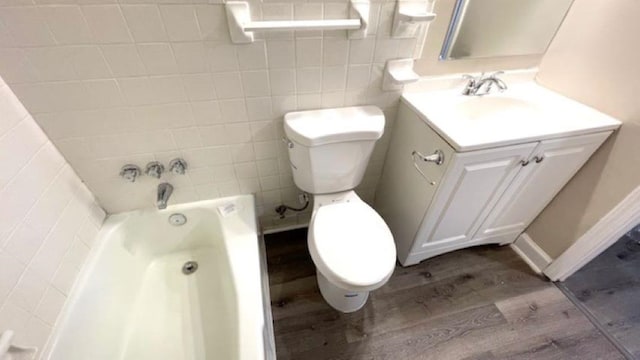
[{"x": 241, "y": 27}]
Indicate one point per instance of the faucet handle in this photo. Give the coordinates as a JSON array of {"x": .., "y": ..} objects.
[
  {"x": 495, "y": 74},
  {"x": 130, "y": 172},
  {"x": 154, "y": 169},
  {"x": 178, "y": 166}
]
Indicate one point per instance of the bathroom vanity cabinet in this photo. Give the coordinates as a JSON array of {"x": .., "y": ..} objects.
[{"x": 486, "y": 195}]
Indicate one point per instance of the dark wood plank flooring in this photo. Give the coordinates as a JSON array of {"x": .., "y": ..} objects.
[
  {"x": 480, "y": 303},
  {"x": 609, "y": 288}
]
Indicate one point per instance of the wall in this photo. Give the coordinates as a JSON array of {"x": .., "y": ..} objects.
[
  {"x": 595, "y": 59},
  {"x": 128, "y": 83},
  {"x": 48, "y": 221},
  {"x": 428, "y": 64}
]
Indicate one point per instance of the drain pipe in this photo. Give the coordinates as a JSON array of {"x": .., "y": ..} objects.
[{"x": 282, "y": 208}]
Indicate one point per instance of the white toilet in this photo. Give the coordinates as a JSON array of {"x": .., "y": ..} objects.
[{"x": 350, "y": 244}]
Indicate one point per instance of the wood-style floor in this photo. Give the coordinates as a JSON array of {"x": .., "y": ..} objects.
[
  {"x": 480, "y": 303},
  {"x": 609, "y": 288}
]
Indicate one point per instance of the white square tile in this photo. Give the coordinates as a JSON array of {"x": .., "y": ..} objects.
[
  {"x": 103, "y": 94},
  {"x": 206, "y": 112},
  {"x": 107, "y": 23},
  {"x": 52, "y": 63},
  {"x": 385, "y": 49},
  {"x": 180, "y": 22},
  {"x": 259, "y": 108},
  {"x": 233, "y": 110},
  {"x": 51, "y": 305},
  {"x": 333, "y": 99},
  {"x": 18, "y": 147},
  {"x": 229, "y": 188},
  {"x": 29, "y": 291},
  {"x": 361, "y": 51},
  {"x": 283, "y": 82},
  {"x": 265, "y": 150},
  {"x": 223, "y": 174},
  {"x": 191, "y": 57},
  {"x": 252, "y": 56},
  {"x": 309, "y": 101},
  {"x": 242, "y": 153},
  {"x": 27, "y": 26},
  {"x": 67, "y": 24},
  {"x": 237, "y": 133},
  {"x": 335, "y": 51},
  {"x": 144, "y": 22},
  {"x": 89, "y": 63},
  {"x": 308, "y": 52},
  {"x": 187, "y": 138},
  {"x": 13, "y": 317},
  {"x": 212, "y": 20},
  {"x": 123, "y": 60},
  {"x": 23, "y": 191},
  {"x": 247, "y": 170},
  {"x": 333, "y": 78},
  {"x": 262, "y": 131},
  {"x": 199, "y": 87},
  {"x": 256, "y": 83},
  {"x": 213, "y": 135},
  {"x": 228, "y": 85},
  {"x": 308, "y": 80},
  {"x": 270, "y": 183},
  {"x": 249, "y": 186},
  {"x": 158, "y": 58},
  {"x": 15, "y": 67},
  {"x": 37, "y": 332},
  {"x": 222, "y": 56},
  {"x": 12, "y": 269},
  {"x": 268, "y": 167},
  {"x": 280, "y": 54},
  {"x": 358, "y": 76},
  {"x": 207, "y": 157}
]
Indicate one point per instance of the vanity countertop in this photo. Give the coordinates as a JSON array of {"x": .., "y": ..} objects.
[{"x": 524, "y": 113}]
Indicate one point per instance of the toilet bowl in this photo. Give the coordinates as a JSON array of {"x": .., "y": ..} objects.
[
  {"x": 350, "y": 244},
  {"x": 352, "y": 248}
]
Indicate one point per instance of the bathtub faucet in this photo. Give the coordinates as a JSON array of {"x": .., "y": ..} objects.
[{"x": 164, "y": 192}]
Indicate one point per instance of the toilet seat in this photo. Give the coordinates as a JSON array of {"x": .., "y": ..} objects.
[{"x": 351, "y": 245}]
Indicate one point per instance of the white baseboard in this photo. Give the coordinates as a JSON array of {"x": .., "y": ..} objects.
[{"x": 531, "y": 253}]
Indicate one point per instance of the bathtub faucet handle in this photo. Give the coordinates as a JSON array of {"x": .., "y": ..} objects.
[
  {"x": 130, "y": 172},
  {"x": 155, "y": 169},
  {"x": 178, "y": 166}
]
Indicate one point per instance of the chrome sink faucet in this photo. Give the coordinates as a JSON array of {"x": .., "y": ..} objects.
[
  {"x": 476, "y": 84},
  {"x": 164, "y": 193}
]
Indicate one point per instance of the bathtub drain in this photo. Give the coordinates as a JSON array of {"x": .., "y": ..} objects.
[
  {"x": 177, "y": 219},
  {"x": 189, "y": 267}
]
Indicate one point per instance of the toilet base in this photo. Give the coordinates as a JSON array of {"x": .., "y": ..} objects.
[{"x": 341, "y": 299}]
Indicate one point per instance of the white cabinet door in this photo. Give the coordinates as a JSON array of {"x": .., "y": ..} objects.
[
  {"x": 473, "y": 184},
  {"x": 552, "y": 165}
]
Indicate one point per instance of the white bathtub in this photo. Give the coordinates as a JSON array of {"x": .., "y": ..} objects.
[{"x": 133, "y": 301}]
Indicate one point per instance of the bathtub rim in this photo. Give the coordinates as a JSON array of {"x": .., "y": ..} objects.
[{"x": 114, "y": 221}]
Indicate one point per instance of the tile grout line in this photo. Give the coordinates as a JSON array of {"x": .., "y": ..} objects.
[{"x": 589, "y": 315}]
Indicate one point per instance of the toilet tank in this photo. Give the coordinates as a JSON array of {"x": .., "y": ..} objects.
[{"x": 329, "y": 149}]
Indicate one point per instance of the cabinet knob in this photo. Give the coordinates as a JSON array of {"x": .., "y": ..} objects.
[
  {"x": 538, "y": 159},
  {"x": 524, "y": 162}
]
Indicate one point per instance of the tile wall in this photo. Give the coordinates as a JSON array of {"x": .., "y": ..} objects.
[
  {"x": 48, "y": 222},
  {"x": 140, "y": 80}
]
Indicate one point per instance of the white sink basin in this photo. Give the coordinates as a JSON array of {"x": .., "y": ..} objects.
[{"x": 523, "y": 112}]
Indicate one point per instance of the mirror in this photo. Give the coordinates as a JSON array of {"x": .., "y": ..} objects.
[{"x": 491, "y": 28}]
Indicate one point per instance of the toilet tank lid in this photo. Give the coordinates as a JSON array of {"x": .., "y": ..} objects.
[{"x": 318, "y": 127}]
